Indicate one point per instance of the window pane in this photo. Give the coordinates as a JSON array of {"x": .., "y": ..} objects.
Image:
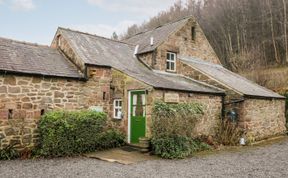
[
  {"x": 120, "y": 103},
  {"x": 134, "y": 111},
  {"x": 172, "y": 56},
  {"x": 119, "y": 113},
  {"x": 143, "y": 99},
  {"x": 134, "y": 99},
  {"x": 168, "y": 56},
  {"x": 172, "y": 66},
  {"x": 116, "y": 113},
  {"x": 168, "y": 65}
]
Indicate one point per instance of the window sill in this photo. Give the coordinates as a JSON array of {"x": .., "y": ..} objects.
[
  {"x": 171, "y": 71},
  {"x": 117, "y": 119}
]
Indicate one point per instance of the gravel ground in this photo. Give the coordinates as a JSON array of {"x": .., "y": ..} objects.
[{"x": 264, "y": 161}]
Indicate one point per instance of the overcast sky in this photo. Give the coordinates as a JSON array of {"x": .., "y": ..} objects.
[{"x": 37, "y": 20}]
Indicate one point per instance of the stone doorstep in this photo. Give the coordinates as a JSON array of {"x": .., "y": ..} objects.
[{"x": 120, "y": 156}]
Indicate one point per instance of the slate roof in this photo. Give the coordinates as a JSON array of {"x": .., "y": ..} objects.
[
  {"x": 95, "y": 50},
  {"x": 159, "y": 34},
  {"x": 230, "y": 79},
  {"x": 28, "y": 58}
]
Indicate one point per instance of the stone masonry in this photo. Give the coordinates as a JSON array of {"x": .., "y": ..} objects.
[
  {"x": 262, "y": 118},
  {"x": 122, "y": 83},
  {"x": 212, "y": 106},
  {"x": 24, "y": 99}
]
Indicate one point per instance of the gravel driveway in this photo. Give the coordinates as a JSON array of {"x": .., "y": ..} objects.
[{"x": 265, "y": 161}]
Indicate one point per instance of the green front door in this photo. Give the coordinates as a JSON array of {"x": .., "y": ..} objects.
[{"x": 137, "y": 115}]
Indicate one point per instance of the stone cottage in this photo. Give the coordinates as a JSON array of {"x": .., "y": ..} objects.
[{"x": 173, "y": 63}]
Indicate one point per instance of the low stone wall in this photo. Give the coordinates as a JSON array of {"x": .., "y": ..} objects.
[
  {"x": 24, "y": 99},
  {"x": 263, "y": 118},
  {"x": 211, "y": 119}
]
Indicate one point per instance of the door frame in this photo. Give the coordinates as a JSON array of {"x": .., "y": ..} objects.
[{"x": 129, "y": 112}]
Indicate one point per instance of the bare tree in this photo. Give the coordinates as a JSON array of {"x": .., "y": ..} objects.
[{"x": 246, "y": 34}]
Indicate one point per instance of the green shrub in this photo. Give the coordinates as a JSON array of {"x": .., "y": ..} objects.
[
  {"x": 172, "y": 130},
  {"x": 9, "y": 153},
  {"x": 69, "y": 133},
  {"x": 111, "y": 139},
  {"x": 175, "y": 119},
  {"x": 177, "y": 147}
]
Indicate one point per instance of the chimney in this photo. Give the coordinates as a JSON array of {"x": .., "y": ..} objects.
[
  {"x": 151, "y": 41},
  {"x": 136, "y": 50}
]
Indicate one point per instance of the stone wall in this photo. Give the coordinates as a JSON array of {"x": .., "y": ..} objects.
[
  {"x": 182, "y": 43},
  {"x": 24, "y": 99},
  {"x": 263, "y": 118},
  {"x": 61, "y": 43},
  {"x": 122, "y": 83},
  {"x": 208, "y": 124},
  {"x": 148, "y": 59},
  {"x": 120, "y": 86}
]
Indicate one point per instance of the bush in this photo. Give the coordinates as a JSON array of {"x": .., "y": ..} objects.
[
  {"x": 69, "y": 133},
  {"x": 9, "y": 153},
  {"x": 175, "y": 119},
  {"x": 229, "y": 133},
  {"x": 111, "y": 139},
  {"x": 177, "y": 147},
  {"x": 172, "y": 130}
]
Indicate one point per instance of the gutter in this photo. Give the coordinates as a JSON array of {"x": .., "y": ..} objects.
[
  {"x": 223, "y": 108},
  {"x": 235, "y": 101},
  {"x": 5, "y": 72},
  {"x": 190, "y": 91},
  {"x": 264, "y": 97}
]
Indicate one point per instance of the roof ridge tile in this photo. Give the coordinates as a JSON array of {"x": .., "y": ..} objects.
[
  {"x": 24, "y": 42},
  {"x": 163, "y": 25},
  {"x": 94, "y": 35}
]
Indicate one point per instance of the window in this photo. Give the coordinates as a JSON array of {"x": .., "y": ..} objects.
[
  {"x": 10, "y": 114},
  {"x": 42, "y": 112},
  {"x": 59, "y": 41},
  {"x": 193, "y": 33},
  {"x": 171, "y": 62},
  {"x": 118, "y": 109},
  {"x": 104, "y": 96},
  {"x": 139, "y": 105}
]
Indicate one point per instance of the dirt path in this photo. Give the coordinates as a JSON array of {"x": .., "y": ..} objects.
[{"x": 264, "y": 161}]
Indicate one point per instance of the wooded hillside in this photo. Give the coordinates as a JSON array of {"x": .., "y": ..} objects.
[{"x": 246, "y": 34}]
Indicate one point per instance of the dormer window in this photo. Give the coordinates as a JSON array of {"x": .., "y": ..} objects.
[{"x": 171, "y": 62}]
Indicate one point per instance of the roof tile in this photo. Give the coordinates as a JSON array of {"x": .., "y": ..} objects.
[
  {"x": 231, "y": 79},
  {"x": 31, "y": 58}
]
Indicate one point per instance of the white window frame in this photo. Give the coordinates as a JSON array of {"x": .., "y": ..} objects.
[
  {"x": 117, "y": 107},
  {"x": 170, "y": 60}
]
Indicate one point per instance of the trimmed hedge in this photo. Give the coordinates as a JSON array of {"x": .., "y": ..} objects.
[{"x": 71, "y": 133}]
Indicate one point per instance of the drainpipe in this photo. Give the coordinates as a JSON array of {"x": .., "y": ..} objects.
[
  {"x": 86, "y": 73},
  {"x": 223, "y": 107}
]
